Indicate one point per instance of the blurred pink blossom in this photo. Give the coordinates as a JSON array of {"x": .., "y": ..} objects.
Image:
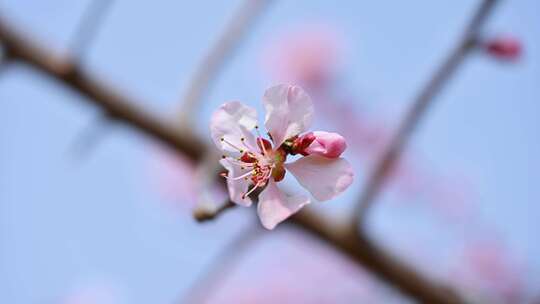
[
  {"x": 488, "y": 268},
  {"x": 172, "y": 176},
  {"x": 297, "y": 270},
  {"x": 95, "y": 293},
  {"x": 307, "y": 55}
]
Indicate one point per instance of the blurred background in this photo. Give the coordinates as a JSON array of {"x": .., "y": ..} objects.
[{"x": 92, "y": 211}]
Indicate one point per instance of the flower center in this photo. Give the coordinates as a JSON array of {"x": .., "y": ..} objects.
[{"x": 262, "y": 162}]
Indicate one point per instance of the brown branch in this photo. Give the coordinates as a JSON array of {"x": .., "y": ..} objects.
[
  {"x": 208, "y": 68},
  {"x": 386, "y": 267},
  {"x": 127, "y": 110},
  {"x": 420, "y": 105},
  {"x": 117, "y": 106}
]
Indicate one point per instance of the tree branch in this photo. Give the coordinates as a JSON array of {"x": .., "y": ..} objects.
[
  {"x": 386, "y": 267},
  {"x": 117, "y": 106},
  {"x": 184, "y": 141},
  {"x": 419, "y": 107},
  {"x": 208, "y": 68}
]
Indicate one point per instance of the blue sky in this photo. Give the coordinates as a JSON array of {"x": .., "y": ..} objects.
[{"x": 65, "y": 222}]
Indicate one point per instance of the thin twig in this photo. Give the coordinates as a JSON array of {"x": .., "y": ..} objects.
[
  {"x": 208, "y": 69},
  {"x": 89, "y": 26},
  {"x": 419, "y": 107},
  {"x": 88, "y": 138},
  {"x": 227, "y": 258},
  {"x": 84, "y": 35},
  {"x": 205, "y": 213},
  {"x": 184, "y": 141}
]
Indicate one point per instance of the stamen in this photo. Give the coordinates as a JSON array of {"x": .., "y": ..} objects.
[
  {"x": 238, "y": 162},
  {"x": 243, "y": 140},
  {"x": 238, "y": 177},
  {"x": 259, "y": 138},
  {"x": 251, "y": 191},
  {"x": 232, "y": 145}
]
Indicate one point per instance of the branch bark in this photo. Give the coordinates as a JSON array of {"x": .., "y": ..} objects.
[
  {"x": 419, "y": 107},
  {"x": 98, "y": 93},
  {"x": 122, "y": 108}
]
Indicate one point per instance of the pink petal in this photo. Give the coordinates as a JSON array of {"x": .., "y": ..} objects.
[
  {"x": 233, "y": 121},
  {"x": 327, "y": 144},
  {"x": 274, "y": 206},
  {"x": 323, "y": 177},
  {"x": 236, "y": 187},
  {"x": 289, "y": 112}
]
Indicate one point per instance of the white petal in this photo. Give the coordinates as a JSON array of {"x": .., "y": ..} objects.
[
  {"x": 236, "y": 187},
  {"x": 289, "y": 112},
  {"x": 323, "y": 177},
  {"x": 275, "y": 206},
  {"x": 233, "y": 121}
]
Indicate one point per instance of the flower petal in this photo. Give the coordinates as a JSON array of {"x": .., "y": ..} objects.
[
  {"x": 236, "y": 187},
  {"x": 323, "y": 177},
  {"x": 275, "y": 206},
  {"x": 289, "y": 112},
  {"x": 233, "y": 121}
]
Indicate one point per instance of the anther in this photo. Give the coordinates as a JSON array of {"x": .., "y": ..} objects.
[{"x": 231, "y": 144}]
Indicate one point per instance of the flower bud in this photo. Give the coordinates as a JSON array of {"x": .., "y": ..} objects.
[
  {"x": 504, "y": 48},
  {"x": 300, "y": 144},
  {"x": 326, "y": 144}
]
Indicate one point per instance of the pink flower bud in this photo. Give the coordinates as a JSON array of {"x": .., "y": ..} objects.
[
  {"x": 504, "y": 47},
  {"x": 301, "y": 143},
  {"x": 327, "y": 144}
]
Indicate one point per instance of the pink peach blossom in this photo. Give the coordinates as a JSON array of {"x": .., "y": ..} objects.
[{"x": 252, "y": 161}]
